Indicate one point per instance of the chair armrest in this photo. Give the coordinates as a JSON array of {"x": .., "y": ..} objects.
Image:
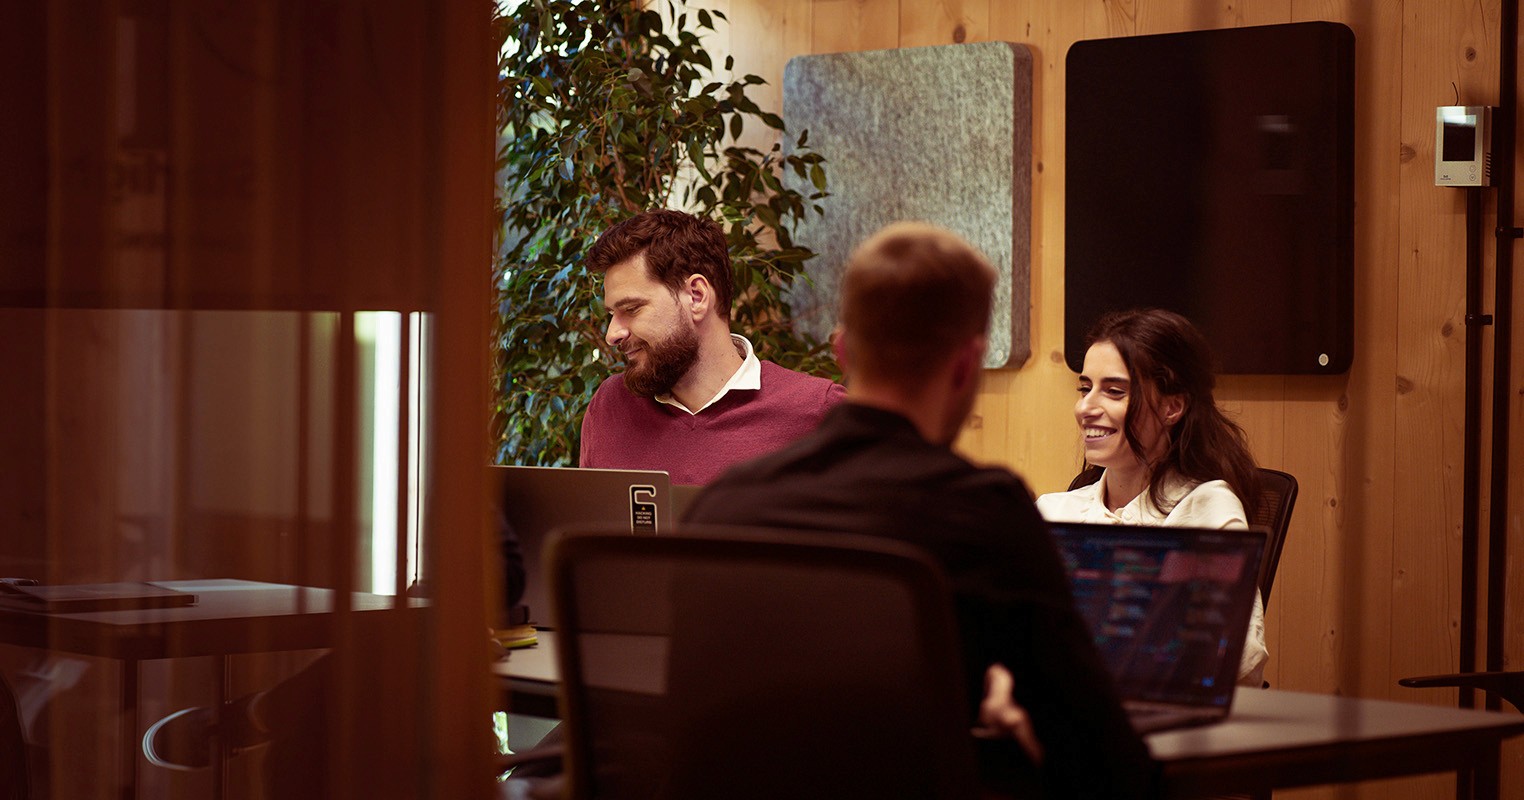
[{"x": 1507, "y": 685}]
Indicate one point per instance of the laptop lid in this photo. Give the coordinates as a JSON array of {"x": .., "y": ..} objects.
[
  {"x": 1169, "y": 607},
  {"x": 538, "y": 501}
]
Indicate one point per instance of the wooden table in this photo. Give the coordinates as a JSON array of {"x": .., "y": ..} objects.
[
  {"x": 1273, "y": 739},
  {"x": 230, "y": 617},
  {"x": 531, "y": 676}
]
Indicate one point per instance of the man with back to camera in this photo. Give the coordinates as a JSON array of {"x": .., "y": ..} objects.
[
  {"x": 915, "y": 307},
  {"x": 693, "y": 398}
]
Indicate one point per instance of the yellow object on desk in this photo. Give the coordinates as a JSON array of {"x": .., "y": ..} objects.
[{"x": 516, "y": 636}]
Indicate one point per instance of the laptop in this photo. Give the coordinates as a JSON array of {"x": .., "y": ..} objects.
[
  {"x": 538, "y": 501},
  {"x": 1170, "y": 609}
]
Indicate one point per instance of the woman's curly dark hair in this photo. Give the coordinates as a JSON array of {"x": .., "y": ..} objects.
[{"x": 1166, "y": 356}]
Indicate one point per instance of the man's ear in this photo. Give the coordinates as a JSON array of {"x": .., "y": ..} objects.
[
  {"x": 968, "y": 362},
  {"x": 698, "y": 295},
  {"x": 839, "y": 347}
]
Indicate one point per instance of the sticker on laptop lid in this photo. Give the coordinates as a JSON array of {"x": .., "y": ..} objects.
[{"x": 643, "y": 509}]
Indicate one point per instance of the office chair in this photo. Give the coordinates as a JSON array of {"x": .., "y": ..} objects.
[
  {"x": 750, "y": 665},
  {"x": 1277, "y": 499},
  {"x": 1507, "y": 685}
]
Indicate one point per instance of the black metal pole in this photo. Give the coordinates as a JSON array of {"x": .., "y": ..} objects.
[
  {"x": 1503, "y": 146},
  {"x": 1472, "y": 481}
]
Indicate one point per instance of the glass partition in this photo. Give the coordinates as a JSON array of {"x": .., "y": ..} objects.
[{"x": 243, "y": 309}]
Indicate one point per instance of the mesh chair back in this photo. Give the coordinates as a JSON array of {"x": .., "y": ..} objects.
[
  {"x": 758, "y": 665},
  {"x": 1277, "y": 498}
]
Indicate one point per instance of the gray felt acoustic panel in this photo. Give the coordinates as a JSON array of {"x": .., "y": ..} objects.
[{"x": 937, "y": 134}]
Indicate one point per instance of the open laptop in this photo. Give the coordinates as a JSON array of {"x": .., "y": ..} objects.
[
  {"x": 538, "y": 501},
  {"x": 1169, "y": 608}
]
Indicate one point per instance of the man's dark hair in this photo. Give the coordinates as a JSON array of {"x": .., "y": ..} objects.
[{"x": 675, "y": 246}]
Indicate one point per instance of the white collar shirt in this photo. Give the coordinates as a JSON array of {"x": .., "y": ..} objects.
[{"x": 748, "y": 377}]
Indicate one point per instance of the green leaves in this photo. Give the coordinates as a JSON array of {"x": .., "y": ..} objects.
[{"x": 603, "y": 112}]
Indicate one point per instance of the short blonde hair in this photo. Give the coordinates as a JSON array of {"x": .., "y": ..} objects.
[{"x": 912, "y": 293}]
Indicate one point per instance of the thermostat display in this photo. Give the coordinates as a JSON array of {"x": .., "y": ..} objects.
[{"x": 1463, "y": 146}]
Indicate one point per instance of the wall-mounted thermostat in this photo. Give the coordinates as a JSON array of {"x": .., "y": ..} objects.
[{"x": 1463, "y": 146}]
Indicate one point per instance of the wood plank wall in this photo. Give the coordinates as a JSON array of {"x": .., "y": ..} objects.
[{"x": 1368, "y": 588}]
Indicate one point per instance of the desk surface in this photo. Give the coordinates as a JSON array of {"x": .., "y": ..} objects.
[
  {"x": 230, "y": 616},
  {"x": 1273, "y": 738},
  {"x": 1277, "y": 739}
]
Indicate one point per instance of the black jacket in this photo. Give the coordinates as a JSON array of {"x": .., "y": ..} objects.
[{"x": 868, "y": 471}]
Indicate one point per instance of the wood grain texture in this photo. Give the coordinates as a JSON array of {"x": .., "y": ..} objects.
[
  {"x": 944, "y": 22},
  {"x": 1368, "y": 585},
  {"x": 1446, "y": 51},
  {"x": 841, "y": 26}
]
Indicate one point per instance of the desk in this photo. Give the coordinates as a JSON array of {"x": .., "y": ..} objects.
[
  {"x": 230, "y": 617},
  {"x": 530, "y": 675},
  {"x": 1277, "y": 739},
  {"x": 1273, "y": 739}
]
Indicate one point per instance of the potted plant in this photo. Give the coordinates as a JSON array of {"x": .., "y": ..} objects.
[{"x": 607, "y": 109}]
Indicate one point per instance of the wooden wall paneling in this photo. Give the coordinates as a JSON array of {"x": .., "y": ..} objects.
[
  {"x": 1257, "y": 404},
  {"x": 944, "y": 22},
  {"x": 1342, "y": 612},
  {"x": 763, "y": 37},
  {"x": 841, "y": 26},
  {"x": 1119, "y": 18},
  {"x": 1169, "y": 16},
  {"x": 1311, "y": 584},
  {"x": 1447, "y": 50},
  {"x": 1368, "y": 470},
  {"x": 1382, "y": 487},
  {"x": 1241, "y": 13},
  {"x": 1165, "y": 16}
]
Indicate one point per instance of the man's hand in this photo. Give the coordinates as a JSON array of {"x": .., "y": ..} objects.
[{"x": 1001, "y": 718}]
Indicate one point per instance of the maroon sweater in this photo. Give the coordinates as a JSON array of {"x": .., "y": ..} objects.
[{"x": 622, "y": 431}]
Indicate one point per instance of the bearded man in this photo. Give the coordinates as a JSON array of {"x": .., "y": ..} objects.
[{"x": 693, "y": 398}]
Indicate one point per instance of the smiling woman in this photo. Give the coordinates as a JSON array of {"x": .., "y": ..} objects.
[{"x": 1170, "y": 457}]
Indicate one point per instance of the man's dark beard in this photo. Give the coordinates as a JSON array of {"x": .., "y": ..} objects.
[{"x": 665, "y": 364}]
